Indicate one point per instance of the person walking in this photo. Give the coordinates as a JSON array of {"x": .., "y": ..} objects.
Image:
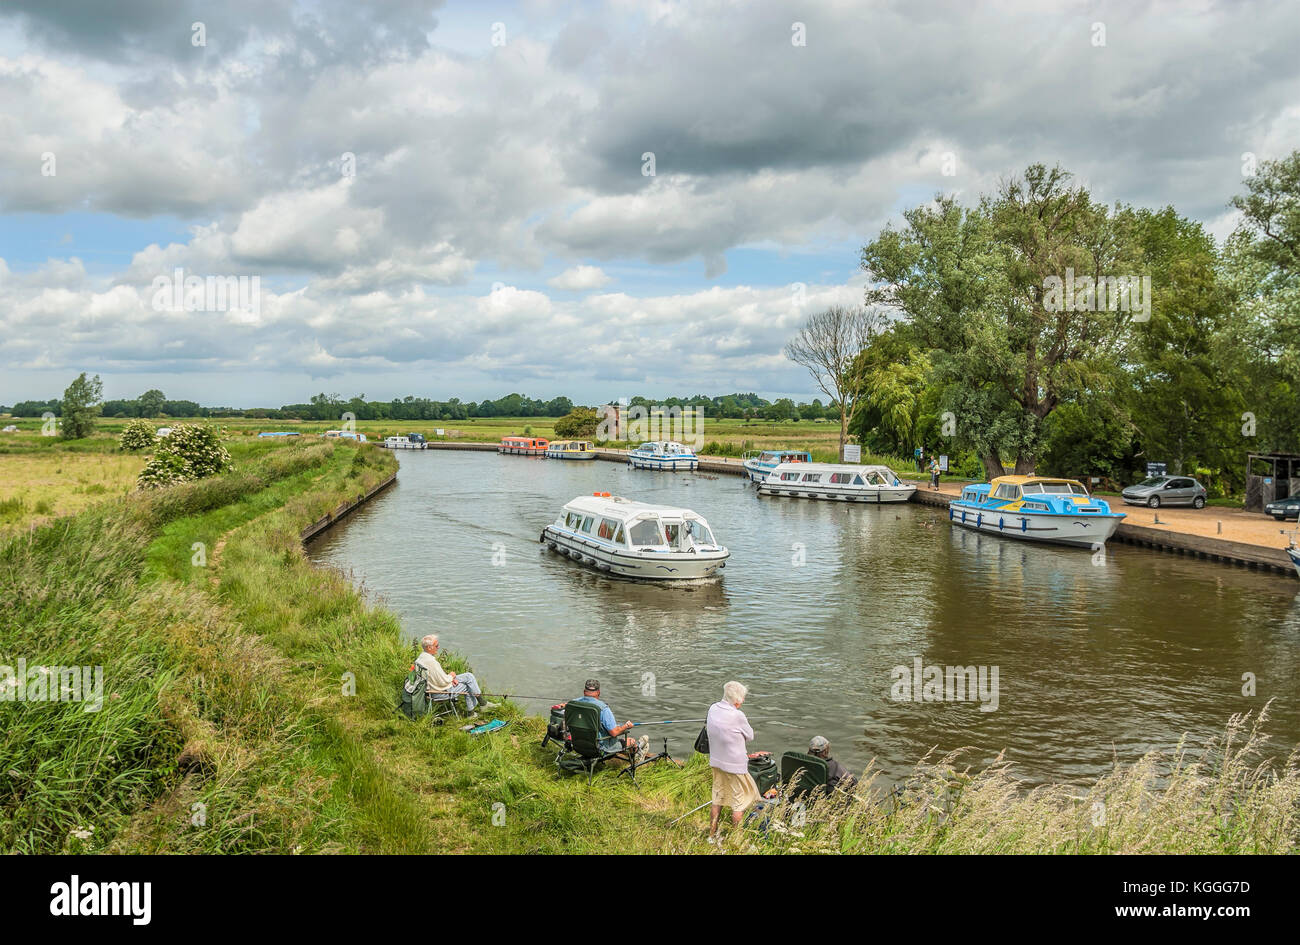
[{"x": 729, "y": 730}]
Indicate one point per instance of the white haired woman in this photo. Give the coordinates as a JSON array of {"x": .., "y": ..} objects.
[
  {"x": 441, "y": 681},
  {"x": 729, "y": 730}
]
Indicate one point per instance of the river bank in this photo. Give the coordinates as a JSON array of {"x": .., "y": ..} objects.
[{"x": 249, "y": 707}]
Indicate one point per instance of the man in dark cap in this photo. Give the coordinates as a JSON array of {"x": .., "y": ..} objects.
[
  {"x": 611, "y": 733},
  {"x": 836, "y": 774}
]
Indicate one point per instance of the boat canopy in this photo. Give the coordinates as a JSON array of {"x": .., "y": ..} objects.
[
  {"x": 843, "y": 473},
  {"x": 664, "y": 447},
  {"x": 611, "y": 517},
  {"x": 1013, "y": 487}
]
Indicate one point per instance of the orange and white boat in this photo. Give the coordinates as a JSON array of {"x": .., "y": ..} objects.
[{"x": 523, "y": 445}]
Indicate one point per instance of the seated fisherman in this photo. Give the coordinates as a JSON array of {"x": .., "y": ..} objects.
[
  {"x": 836, "y": 774},
  {"x": 611, "y": 733},
  {"x": 441, "y": 681}
]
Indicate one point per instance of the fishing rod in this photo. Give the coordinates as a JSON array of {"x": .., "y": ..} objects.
[{"x": 669, "y": 722}]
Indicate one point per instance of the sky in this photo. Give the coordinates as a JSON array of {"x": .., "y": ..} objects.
[{"x": 458, "y": 199}]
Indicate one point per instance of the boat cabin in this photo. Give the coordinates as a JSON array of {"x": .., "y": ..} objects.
[
  {"x": 636, "y": 525},
  {"x": 523, "y": 443}
]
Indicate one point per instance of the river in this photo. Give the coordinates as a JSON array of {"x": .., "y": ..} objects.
[{"x": 819, "y": 603}]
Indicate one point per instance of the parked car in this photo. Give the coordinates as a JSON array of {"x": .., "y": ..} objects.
[
  {"x": 1283, "y": 509},
  {"x": 1166, "y": 490}
]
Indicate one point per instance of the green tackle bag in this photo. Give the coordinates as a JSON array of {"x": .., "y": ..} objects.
[{"x": 415, "y": 696}]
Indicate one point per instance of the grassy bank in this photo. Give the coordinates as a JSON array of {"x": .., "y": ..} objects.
[{"x": 249, "y": 707}]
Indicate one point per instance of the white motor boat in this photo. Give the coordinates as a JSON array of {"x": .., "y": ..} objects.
[
  {"x": 836, "y": 481},
  {"x": 636, "y": 539},
  {"x": 663, "y": 454}
]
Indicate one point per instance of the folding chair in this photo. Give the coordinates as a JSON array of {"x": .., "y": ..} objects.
[
  {"x": 443, "y": 704},
  {"x": 583, "y": 722},
  {"x": 802, "y": 773}
]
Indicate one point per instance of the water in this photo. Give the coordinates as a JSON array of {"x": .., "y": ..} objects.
[{"x": 1094, "y": 662}]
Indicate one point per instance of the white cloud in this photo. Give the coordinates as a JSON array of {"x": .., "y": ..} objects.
[{"x": 580, "y": 279}]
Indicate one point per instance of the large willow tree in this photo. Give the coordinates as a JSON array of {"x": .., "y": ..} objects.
[{"x": 974, "y": 287}]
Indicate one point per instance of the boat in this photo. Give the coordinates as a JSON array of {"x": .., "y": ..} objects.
[
  {"x": 758, "y": 463},
  {"x": 663, "y": 454},
  {"x": 570, "y": 449},
  {"x": 1293, "y": 552},
  {"x": 403, "y": 443},
  {"x": 636, "y": 539},
  {"x": 843, "y": 482},
  {"x": 1036, "y": 508},
  {"x": 523, "y": 445}
]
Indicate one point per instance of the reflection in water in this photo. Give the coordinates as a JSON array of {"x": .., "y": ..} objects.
[{"x": 818, "y": 604}]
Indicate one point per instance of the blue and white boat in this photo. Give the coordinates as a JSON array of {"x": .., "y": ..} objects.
[
  {"x": 760, "y": 463},
  {"x": 1293, "y": 552},
  {"x": 663, "y": 454},
  {"x": 1036, "y": 508}
]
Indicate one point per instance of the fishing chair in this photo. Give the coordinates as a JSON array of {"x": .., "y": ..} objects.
[
  {"x": 443, "y": 704},
  {"x": 802, "y": 773},
  {"x": 582, "y": 752}
]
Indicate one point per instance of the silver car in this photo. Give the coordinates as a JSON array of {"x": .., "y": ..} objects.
[{"x": 1166, "y": 490}]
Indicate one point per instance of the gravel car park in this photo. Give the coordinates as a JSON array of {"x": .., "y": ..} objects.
[{"x": 1158, "y": 491}]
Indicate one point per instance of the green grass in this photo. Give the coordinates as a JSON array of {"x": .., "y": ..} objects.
[{"x": 250, "y": 707}]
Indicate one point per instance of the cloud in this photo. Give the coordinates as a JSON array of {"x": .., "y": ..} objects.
[{"x": 580, "y": 279}]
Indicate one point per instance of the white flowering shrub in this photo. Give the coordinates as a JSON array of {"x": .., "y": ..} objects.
[
  {"x": 138, "y": 435},
  {"x": 191, "y": 452}
]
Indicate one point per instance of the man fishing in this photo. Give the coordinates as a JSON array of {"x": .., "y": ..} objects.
[
  {"x": 836, "y": 774},
  {"x": 611, "y": 733},
  {"x": 441, "y": 681}
]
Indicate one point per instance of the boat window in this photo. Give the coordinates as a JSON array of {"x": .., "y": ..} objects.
[
  {"x": 1032, "y": 488},
  {"x": 789, "y": 476},
  {"x": 587, "y": 523},
  {"x": 812, "y": 477},
  {"x": 857, "y": 481},
  {"x": 671, "y": 531},
  {"x": 1034, "y": 507},
  {"x": 645, "y": 532},
  {"x": 1007, "y": 491},
  {"x": 618, "y": 535},
  {"x": 840, "y": 478},
  {"x": 701, "y": 533},
  {"x": 607, "y": 529}
]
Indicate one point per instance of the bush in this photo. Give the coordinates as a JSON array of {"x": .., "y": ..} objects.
[
  {"x": 191, "y": 452},
  {"x": 580, "y": 423},
  {"x": 138, "y": 435}
]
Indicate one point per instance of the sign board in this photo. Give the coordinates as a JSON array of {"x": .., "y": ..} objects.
[
  {"x": 852, "y": 453},
  {"x": 917, "y": 452},
  {"x": 1157, "y": 469},
  {"x": 943, "y": 463},
  {"x": 438, "y": 432}
]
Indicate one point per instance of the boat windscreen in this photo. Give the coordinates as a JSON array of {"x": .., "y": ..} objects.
[{"x": 645, "y": 532}]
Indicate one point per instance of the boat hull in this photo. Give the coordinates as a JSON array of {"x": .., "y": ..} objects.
[
  {"x": 757, "y": 472},
  {"x": 867, "y": 495},
  {"x": 1294, "y": 555},
  {"x": 1079, "y": 531},
  {"x": 571, "y": 456},
  {"x": 521, "y": 451},
  {"x": 671, "y": 464},
  {"x": 698, "y": 566}
]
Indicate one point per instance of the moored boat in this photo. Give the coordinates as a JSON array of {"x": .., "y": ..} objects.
[
  {"x": 636, "y": 539},
  {"x": 663, "y": 454},
  {"x": 403, "y": 443},
  {"x": 1036, "y": 508},
  {"x": 836, "y": 481},
  {"x": 523, "y": 445},
  {"x": 570, "y": 449},
  {"x": 759, "y": 463},
  {"x": 1293, "y": 552}
]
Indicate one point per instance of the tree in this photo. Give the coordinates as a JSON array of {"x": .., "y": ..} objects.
[
  {"x": 151, "y": 403},
  {"x": 578, "y": 424},
  {"x": 986, "y": 291},
  {"x": 81, "y": 406},
  {"x": 826, "y": 346}
]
